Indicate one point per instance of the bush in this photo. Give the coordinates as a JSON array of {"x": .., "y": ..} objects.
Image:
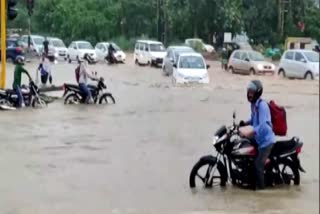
[
  {"x": 276, "y": 57},
  {"x": 124, "y": 43},
  {"x": 196, "y": 45}
]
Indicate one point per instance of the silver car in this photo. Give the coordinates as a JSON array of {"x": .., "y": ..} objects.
[
  {"x": 249, "y": 62},
  {"x": 172, "y": 56}
]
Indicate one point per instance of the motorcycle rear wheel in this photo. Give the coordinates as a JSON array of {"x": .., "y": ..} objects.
[
  {"x": 289, "y": 172},
  {"x": 72, "y": 99},
  {"x": 208, "y": 180}
]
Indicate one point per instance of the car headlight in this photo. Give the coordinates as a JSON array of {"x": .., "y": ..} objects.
[
  {"x": 260, "y": 67},
  {"x": 205, "y": 76},
  {"x": 273, "y": 67}
]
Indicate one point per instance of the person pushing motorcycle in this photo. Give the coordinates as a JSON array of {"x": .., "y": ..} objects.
[
  {"x": 83, "y": 79},
  {"x": 260, "y": 129},
  {"x": 19, "y": 61}
]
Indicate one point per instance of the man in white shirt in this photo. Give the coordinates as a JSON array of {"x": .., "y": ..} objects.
[{"x": 84, "y": 75}]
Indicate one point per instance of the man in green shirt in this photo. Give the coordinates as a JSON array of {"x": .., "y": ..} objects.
[{"x": 17, "y": 79}]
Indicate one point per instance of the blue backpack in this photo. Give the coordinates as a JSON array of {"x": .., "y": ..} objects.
[{"x": 42, "y": 71}]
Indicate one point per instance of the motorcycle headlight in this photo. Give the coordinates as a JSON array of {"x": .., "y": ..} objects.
[
  {"x": 205, "y": 76},
  {"x": 215, "y": 140}
]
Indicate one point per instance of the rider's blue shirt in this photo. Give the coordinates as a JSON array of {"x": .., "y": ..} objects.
[{"x": 261, "y": 122}]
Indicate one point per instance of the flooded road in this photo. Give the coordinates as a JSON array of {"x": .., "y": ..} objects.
[{"x": 136, "y": 156}]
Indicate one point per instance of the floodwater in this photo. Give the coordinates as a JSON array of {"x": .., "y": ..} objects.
[{"x": 136, "y": 156}]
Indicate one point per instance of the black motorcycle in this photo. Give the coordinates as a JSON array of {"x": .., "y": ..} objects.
[
  {"x": 31, "y": 96},
  {"x": 73, "y": 94},
  {"x": 234, "y": 161}
]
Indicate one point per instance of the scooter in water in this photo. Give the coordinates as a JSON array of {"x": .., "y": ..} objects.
[
  {"x": 73, "y": 95},
  {"x": 234, "y": 158}
]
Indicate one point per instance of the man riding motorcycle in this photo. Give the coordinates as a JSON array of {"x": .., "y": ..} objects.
[
  {"x": 260, "y": 129},
  {"x": 83, "y": 78},
  {"x": 111, "y": 50},
  {"x": 19, "y": 61}
]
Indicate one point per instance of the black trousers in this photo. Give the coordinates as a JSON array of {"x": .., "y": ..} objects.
[{"x": 259, "y": 164}]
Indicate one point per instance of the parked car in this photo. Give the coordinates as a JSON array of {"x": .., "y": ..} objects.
[
  {"x": 249, "y": 62},
  {"x": 299, "y": 64},
  {"x": 36, "y": 43},
  {"x": 102, "y": 51},
  {"x": 205, "y": 47},
  {"x": 149, "y": 52},
  {"x": 13, "y": 49},
  {"x": 78, "y": 49},
  {"x": 58, "y": 48},
  {"x": 190, "y": 68},
  {"x": 172, "y": 56}
]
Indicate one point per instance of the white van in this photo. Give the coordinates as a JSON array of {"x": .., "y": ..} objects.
[
  {"x": 148, "y": 52},
  {"x": 36, "y": 43}
]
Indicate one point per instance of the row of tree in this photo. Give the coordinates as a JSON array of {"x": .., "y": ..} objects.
[{"x": 175, "y": 20}]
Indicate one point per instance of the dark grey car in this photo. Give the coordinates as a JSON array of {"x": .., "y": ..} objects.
[{"x": 172, "y": 57}]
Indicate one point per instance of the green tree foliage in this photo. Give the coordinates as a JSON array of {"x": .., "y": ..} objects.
[{"x": 97, "y": 20}]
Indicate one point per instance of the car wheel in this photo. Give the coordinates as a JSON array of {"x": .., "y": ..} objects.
[
  {"x": 252, "y": 71},
  {"x": 282, "y": 73},
  {"x": 174, "y": 81},
  {"x": 308, "y": 76},
  {"x": 10, "y": 59},
  {"x": 69, "y": 59},
  {"x": 165, "y": 71},
  {"x": 231, "y": 69}
]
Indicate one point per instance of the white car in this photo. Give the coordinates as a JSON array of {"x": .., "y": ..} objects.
[
  {"x": 58, "y": 47},
  {"x": 102, "y": 51},
  {"x": 149, "y": 53},
  {"x": 36, "y": 43},
  {"x": 190, "y": 68},
  {"x": 205, "y": 47},
  {"x": 78, "y": 49},
  {"x": 299, "y": 64}
]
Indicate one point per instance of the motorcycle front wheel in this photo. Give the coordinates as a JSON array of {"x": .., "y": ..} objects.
[
  {"x": 38, "y": 103},
  {"x": 107, "y": 99},
  {"x": 208, "y": 173}
]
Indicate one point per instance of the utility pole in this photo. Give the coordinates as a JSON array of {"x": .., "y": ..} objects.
[
  {"x": 282, "y": 9},
  {"x": 3, "y": 44},
  {"x": 160, "y": 20}
]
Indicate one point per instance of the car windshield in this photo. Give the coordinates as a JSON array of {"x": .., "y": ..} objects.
[
  {"x": 312, "y": 56},
  {"x": 180, "y": 51},
  {"x": 38, "y": 40},
  {"x": 191, "y": 62},
  {"x": 255, "y": 56},
  {"x": 116, "y": 47},
  {"x": 157, "y": 48},
  {"x": 58, "y": 43},
  {"x": 85, "y": 45}
]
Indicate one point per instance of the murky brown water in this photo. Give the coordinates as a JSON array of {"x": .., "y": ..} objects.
[{"x": 136, "y": 156}]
